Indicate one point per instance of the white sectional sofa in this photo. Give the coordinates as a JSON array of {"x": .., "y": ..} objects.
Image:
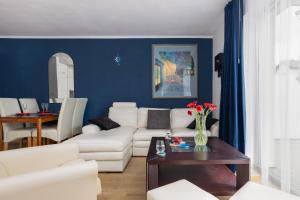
[{"x": 113, "y": 149}]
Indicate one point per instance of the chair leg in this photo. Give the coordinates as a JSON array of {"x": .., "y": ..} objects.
[
  {"x": 5, "y": 146},
  {"x": 48, "y": 141},
  {"x": 21, "y": 143},
  {"x": 29, "y": 144}
]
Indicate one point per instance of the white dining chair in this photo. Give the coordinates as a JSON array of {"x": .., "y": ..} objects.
[
  {"x": 78, "y": 116},
  {"x": 63, "y": 129},
  {"x": 12, "y": 131},
  {"x": 29, "y": 105}
]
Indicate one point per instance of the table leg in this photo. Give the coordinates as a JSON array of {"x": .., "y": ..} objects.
[
  {"x": 1, "y": 137},
  {"x": 242, "y": 175},
  {"x": 39, "y": 132},
  {"x": 152, "y": 176}
]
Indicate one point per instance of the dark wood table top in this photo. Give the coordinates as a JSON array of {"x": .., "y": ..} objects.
[
  {"x": 221, "y": 153},
  {"x": 32, "y": 117}
]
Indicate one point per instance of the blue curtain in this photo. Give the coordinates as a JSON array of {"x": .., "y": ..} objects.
[{"x": 232, "y": 107}]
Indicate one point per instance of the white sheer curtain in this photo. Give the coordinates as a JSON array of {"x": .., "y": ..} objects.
[{"x": 272, "y": 82}]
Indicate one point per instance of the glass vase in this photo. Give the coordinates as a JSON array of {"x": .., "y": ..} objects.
[{"x": 200, "y": 135}]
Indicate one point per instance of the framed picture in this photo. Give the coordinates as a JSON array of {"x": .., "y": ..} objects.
[{"x": 174, "y": 71}]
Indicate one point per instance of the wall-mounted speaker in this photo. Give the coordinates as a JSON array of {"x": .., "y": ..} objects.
[{"x": 219, "y": 62}]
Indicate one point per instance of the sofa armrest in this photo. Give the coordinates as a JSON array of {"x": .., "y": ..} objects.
[
  {"x": 91, "y": 128},
  {"x": 214, "y": 129},
  {"x": 21, "y": 161},
  {"x": 76, "y": 182}
]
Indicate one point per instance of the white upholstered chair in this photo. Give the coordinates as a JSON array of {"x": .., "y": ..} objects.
[
  {"x": 29, "y": 105},
  {"x": 48, "y": 172},
  {"x": 63, "y": 129},
  {"x": 12, "y": 131},
  {"x": 78, "y": 115}
]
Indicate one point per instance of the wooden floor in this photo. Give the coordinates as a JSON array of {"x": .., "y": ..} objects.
[{"x": 129, "y": 185}]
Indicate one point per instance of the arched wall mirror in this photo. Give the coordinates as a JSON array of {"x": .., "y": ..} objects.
[{"x": 61, "y": 77}]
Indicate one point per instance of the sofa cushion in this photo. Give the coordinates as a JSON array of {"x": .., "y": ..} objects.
[
  {"x": 106, "y": 156},
  {"x": 73, "y": 162},
  {"x": 105, "y": 123},
  {"x": 91, "y": 128},
  {"x": 124, "y": 104},
  {"x": 180, "y": 118},
  {"x": 124, "y": 116},
  {"x": 141, "y": 143},
  {"x": 185, "y": 132},
  {"x": 158, "y": 119},
  {"x": 113, "y": 140},
  {"x": 143, "y": 134},
  {"x": 143, "y": 116}
]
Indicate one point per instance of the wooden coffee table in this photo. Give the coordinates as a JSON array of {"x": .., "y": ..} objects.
[{"x": 208, "y": 170}]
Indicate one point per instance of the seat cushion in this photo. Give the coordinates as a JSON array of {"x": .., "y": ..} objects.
[
  {"x": 48, "y": 132},
  {"x": 143, "y": 134},
  {"x": 141, "y": 143},
  {"x": 73, "y": 162},
  {"x": 179, "y": 190},
  {"x": 106, "y": 156},
  {"x": 14, "y": 134},
  {"x": 113, "y": 140},
  {"x": 252, "y": 191},
  {"x": 180, "y": 118},
  {"x": 185, "y": 132}
]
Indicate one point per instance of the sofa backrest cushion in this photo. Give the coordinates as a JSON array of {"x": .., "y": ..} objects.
[
  {"x": 125, "y": 116},
  {"x": 180, "y": 118},
  {"x": 124, "y": 104},
  {"x": 143, "y": 116}
]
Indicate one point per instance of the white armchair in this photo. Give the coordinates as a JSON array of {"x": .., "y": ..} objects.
[{"x": 48, "y": 172}]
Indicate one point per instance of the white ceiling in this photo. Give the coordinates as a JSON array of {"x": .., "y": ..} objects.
[{"x": 110, "y": 18}]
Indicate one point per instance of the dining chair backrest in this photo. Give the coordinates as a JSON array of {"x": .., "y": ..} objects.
[
  {"x": 9, "y": 106},
  {"x": 29, "y": 105},
  {"x": 78, "y": 115},
  {"x": 64, "y": 124}
]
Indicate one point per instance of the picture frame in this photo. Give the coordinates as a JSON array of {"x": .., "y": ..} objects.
[{"x": 174, "y": 71}]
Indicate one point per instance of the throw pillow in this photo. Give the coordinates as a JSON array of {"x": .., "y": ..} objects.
[
  {"x": 158, "y": 119},
  {"x": 105, "y": 123},
  {"x": 209, "y": 123}
]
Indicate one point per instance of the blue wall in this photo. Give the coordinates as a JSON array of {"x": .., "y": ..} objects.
[{"x": 24, "y": 70}]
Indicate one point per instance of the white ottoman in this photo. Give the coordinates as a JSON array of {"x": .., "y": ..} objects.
[
  {"x": 179, "y": 190},
  {"x": 256, "y": 191}
]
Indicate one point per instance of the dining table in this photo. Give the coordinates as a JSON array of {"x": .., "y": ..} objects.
[{"x": 33, "y": 118}]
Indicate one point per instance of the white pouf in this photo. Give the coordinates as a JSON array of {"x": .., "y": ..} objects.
[
  {"x": 256, "y": 191},
  {"x": 179, "y": 190}
]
